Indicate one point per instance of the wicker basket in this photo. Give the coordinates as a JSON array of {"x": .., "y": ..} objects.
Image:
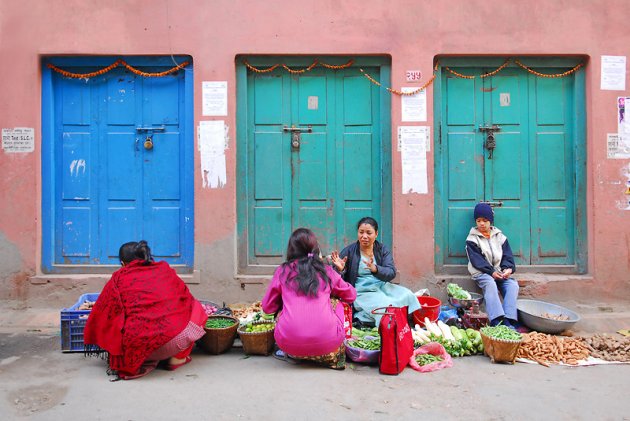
[
  {"x": 257, "y": 343},
  {"x": 500, "y": 350},
  {"x": 218, "y": 340}
]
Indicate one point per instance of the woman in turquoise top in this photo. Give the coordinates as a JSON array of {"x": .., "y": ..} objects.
[{"x": 368, "y": 265}]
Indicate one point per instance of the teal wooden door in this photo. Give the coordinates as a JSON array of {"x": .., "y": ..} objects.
[
  {"x": 327, "y": 182},
  {"x": 529, "y": 176}
]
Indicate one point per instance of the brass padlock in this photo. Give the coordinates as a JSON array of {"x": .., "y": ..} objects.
[{"x": 148, "y": 143}]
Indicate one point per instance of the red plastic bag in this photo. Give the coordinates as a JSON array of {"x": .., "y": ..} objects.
[
  {"x": 432, "y": 348},
  {"x": 396, "y": 339}
]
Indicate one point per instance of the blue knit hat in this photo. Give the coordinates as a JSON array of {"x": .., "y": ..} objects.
[{"x": 484, "y": 210}]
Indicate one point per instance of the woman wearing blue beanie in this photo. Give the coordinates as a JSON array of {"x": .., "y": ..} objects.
[{"x": 490, "y": 262}]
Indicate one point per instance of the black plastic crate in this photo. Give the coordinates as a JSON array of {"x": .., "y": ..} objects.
[{"x": 73, "y": 323}]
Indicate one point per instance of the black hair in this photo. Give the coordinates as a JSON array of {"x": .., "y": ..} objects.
[
  {"x": 303, "y": 249},
  {"x": 368, "y": 220},
  {"x": 135, "y": 250}
]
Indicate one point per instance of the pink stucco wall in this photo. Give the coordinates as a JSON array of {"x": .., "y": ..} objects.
[{"x": 412, "y": 32}]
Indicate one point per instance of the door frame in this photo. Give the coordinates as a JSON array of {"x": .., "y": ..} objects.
[
  {"x": 384, "y": 64},
  {"x": 48, "y": 157},
  {"x": 579, "y": 167}
]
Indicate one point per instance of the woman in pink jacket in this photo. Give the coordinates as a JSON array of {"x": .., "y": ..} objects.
[{"x": 306, "y": 294}]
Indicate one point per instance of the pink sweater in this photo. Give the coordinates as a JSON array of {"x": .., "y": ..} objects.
[{"x": 308, "y": 326}]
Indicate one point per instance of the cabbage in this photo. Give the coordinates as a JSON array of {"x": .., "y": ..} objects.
[{"x": 458, "y": 292}]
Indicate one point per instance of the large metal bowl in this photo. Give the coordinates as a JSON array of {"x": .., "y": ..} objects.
[
  {"x": 466, "y": 304},
  {"x": 530, "y": 313}
]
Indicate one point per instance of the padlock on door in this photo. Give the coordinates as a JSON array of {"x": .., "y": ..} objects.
[
  {"x": 295, "y": 139},
  {"x": 148, "y": 143}
]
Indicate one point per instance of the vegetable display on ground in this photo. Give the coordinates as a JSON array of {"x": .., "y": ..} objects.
[
  {"x": 549, "y": 349},
  {"x": 457, "y": 342},
  {"x": 368, "y": 339},
  {"x": 371, "y": 344},
  {"x": 607, "y": 347}
]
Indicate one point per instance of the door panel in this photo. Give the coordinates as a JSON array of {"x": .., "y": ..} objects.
[
  {"x": 327, "y": 183},
  {"x": 530, "y": 171},
  {"x": 553, "y": 177}
]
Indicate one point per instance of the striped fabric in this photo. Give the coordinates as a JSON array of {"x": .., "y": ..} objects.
[{"x": 182, "y": 341}]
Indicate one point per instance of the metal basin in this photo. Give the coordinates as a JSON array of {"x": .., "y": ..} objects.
[
  {"x": 530, "y": 313},
  {"x": 466, "y": 304}
]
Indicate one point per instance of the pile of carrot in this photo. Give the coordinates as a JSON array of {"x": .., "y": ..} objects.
[{"x": 548, "y": 349}]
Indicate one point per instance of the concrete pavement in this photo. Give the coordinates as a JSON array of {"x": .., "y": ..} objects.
[{"x": 40, "y": 382}]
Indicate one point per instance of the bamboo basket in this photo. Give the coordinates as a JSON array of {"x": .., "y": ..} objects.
[
  {"x": 500, "y": 350},
  {"x": 257, "y": 343},
  {"x": 218, "y": 340}
]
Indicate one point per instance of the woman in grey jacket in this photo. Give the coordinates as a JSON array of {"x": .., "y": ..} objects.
[{"x": 368, "y": 265}]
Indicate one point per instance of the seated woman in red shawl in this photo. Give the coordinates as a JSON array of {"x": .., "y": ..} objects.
[{"x": 145, "y": 314}]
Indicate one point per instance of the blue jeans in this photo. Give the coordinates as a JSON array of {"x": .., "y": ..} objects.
[{"x": 491, "y": 288}]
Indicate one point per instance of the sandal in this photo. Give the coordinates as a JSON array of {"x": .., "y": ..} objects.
[
  {"x": 173, "y": 367},
  {"x": 282, "y": 356},
  {"x": 145, "y": 368}
]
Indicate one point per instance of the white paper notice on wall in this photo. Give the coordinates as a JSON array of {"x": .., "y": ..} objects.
[
  {"x": 211, "y": 142},
  {"x": 214, "y": 98},
  {"x": 419, "y": 132},
  {"x": 413, "y": 155},
  {"x": 617, "y": 147},
  {"x": 613, "y": 73},
  {"x": 414, "y": 107},
  {"x": 18, "y": 139}
]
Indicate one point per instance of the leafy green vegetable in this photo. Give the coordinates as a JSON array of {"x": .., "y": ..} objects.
[
  {"x": 458, "y": 292},
  {"x": 218, "y": 323},
  {"x": 360, "y": 333},
  {"x": 370, "y": 344}
]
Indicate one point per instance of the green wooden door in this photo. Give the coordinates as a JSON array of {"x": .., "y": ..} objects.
[
  {"x": 327, "y": 182},
  {"x": 529, "y": 176}
]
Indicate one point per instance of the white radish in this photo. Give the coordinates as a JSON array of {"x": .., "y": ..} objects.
[
  {"x": 432, "y": 327},
  {"x": 446, "y": 331},
  {"x": 422, "y": 336}
]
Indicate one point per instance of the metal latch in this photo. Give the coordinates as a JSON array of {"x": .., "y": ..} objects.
[
  {"x": 493, "y": 204},
  {"x": 296, "y": 134},
  {"x": 150, "y": 131}
]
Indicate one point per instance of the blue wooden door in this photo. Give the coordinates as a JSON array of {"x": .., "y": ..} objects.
[
  {"x": 122, "y": 167},
  {"x": 529, "y": 176},
  {"x": 327, "y": 183}
]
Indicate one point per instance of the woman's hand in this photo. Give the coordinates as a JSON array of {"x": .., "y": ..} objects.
[
  {"x": 369, "y": 262},
  {"x": 506, "y": 273},
  {"x": 497, "y": 275},
  {"x": 339, "y": 263}
]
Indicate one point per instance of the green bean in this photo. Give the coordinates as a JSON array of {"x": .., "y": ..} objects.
[
  {"x": 424, "y": 359},
  {"x": 501, "y": 332}
]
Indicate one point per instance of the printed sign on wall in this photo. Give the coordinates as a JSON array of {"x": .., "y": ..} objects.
[{"x": 19, "y": 139}]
